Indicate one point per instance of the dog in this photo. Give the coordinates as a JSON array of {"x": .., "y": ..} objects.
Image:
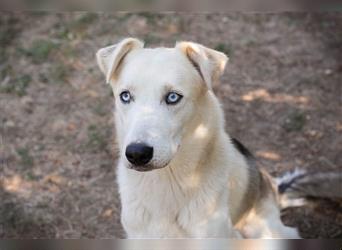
[{"x": 180, "y": 175}]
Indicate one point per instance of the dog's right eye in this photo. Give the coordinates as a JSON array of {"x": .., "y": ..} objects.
[
  {"x": 125, "y": 97},
  {"x": 173, "y": 98}
]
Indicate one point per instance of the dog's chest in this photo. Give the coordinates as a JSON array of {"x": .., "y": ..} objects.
[
  {"x": 149, "y": 219},
  {"x": 150, "y": 208}
]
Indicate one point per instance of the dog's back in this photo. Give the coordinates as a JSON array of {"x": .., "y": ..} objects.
[{"x": 259, "y": 213}]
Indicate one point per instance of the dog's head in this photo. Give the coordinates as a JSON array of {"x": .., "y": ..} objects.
[{"x": 157, "y": 92}]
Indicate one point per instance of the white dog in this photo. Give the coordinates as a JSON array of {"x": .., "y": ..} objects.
[{"x": 179, "y": 173}]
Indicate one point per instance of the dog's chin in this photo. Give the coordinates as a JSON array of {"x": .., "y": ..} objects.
[{"x": 145, "y": 168}]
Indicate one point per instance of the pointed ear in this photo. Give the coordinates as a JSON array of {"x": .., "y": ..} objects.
[
  {"x": 109, "y": 58},
  {"x": 209, "y": 63}
]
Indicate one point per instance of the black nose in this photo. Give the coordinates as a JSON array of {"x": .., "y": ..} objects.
[{"x": 139, "y": 153}]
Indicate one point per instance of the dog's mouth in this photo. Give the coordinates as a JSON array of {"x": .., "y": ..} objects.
[
  {"x": 141, "y": 168},
  {"x": 145, "y": 168}
]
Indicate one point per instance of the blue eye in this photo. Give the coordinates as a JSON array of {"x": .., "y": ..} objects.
[
  {"x": 125, "y": 97},
  {"x": 173, "y": 98}
]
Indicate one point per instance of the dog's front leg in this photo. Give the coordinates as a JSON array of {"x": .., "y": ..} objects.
[
  {"x": 216, "y": 226},
  {"x": 200, "y": 224}
]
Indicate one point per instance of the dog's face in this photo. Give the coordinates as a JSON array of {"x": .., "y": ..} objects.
[
  {"x": 155, "y": 95},
  {"x": 157, "y": 92}
]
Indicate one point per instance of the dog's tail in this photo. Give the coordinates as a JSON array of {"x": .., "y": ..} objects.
[{"x": 299, "y": 187}]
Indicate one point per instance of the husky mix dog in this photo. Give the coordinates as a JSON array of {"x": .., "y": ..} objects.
[{"x": 180, "y": 175}]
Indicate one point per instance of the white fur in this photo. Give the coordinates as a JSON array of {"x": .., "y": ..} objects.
[{"x": 198, "y": 179}]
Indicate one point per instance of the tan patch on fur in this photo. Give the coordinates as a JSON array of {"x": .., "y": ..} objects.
[{"x": 260, "y": 187}]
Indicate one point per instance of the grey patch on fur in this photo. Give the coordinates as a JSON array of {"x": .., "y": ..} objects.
[{"x": 255, "y": 180}]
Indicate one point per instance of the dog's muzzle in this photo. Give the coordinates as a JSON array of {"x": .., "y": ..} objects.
[{"x": 139, "y": 154}]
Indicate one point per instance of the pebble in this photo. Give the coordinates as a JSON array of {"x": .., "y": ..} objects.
[
  {"x": 328, "y": 72},
  {"x": 9, "y": 124},
  {"x": 27, "y": 100}
]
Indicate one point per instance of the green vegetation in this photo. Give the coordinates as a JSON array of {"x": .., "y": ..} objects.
[
  {"x": 25, "y": 158},
  {"x": 40, "y": 50},
  {"x": 227, "y": 49},
  {"x": 58, "y": 73},
  {"x": 96, "y": 138},
  {"x": 295, "y": 121},
  {"x": 99, "y": 109},
  {"x": 8, "y": 32},
  {"x": 31, "y": 176},
  {"x": 16, "y": 86},
  {"x": 75, "y": 28},
  {"x": 151, "y": 39},
  {"x": 84, "y": 20},
  {"x": 150, "y": 17}
]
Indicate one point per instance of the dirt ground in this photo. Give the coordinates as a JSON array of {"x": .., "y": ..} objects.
[{"x": 281, "y": 92}]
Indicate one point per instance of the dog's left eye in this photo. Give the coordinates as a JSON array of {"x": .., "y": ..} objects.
[
  {"x": 173, "y": 98},
  {"x": 125, "y": 96}
]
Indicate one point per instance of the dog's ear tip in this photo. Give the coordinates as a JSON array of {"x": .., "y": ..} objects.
[
  {"x": 224, "y": 59},
  {"x": 128, "y": 40},
  {"x": 136, "y": 41},
  {"x": 109, "y": 57},
  {"x": 183, "y": 44}
]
